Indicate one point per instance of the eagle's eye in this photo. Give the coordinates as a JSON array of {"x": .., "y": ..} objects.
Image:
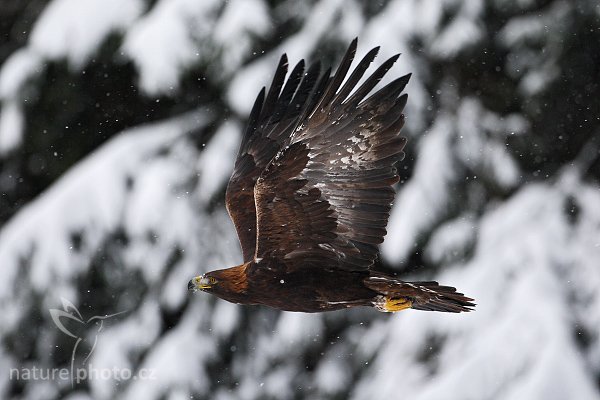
[{"x": 212, "y": 280}]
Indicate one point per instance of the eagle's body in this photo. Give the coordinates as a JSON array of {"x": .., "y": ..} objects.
[
  {"x": 311, "y": 289},
  {"x": 311, "y": 192}
]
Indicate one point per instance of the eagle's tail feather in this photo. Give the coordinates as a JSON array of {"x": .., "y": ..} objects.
[
  {"x": 443, "y": 298},
  {"x": 397, "y": 295}
]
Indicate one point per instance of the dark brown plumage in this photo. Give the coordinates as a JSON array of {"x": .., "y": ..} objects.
[{"x": 311, "y": 193}]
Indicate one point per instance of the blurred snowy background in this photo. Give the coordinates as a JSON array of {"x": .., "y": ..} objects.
[{"x": 119, "y": 120}]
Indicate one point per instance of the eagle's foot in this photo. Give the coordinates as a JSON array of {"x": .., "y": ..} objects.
[{"x": 388, "y": 304}]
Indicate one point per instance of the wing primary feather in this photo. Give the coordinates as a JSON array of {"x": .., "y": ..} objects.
[
  {"x": 371, "y": 82},
  {"x": 358, "y": 73},
  {"x": 288, "y": 92},
  {"x": 340, "y": 74},
  {"x": 276, "y": 85},
  {"x": 401, "y": 102},
  {"x": 303, "y": 101},
  {"x": 389, "y": 91},
  {"x": 252, "y": 122},
  {"x": 305, "y": 90},
  {"x": 316, "y": 96}
]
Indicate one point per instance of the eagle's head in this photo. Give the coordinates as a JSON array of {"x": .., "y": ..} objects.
[
  {"x": 202, "y": 282},
  {"x": 227, "y": 283}
]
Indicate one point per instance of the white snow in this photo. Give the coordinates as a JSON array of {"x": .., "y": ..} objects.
[
  {"x": 11, "y": 126},
  {"x": 332, "y": 375},
  {"x": 247, "y": 82},
  {"x": 536, "y": 81},
  {"x": 462, "y": 32},
  {"x": 393, "y": 37},
  {"x": 19, "y": 67},
  {"x": 121, "y": 339},
  {"x": 73, "y": 29},
  {"x": 458, "y": 36},
  {"x": 452, "y": 240},
  {"x": 22, "y": 65},
  {"x": 165, "y": 41},
  {"x": 473, "y": 143},
  {"x": 238, "y": 23},
  {"x": 481, "y": 145},
  {"x": 295, "y": 329},
  {"x": 517, "y": 344},
  {"x": 90, "y": 198},
  {"x": 177, "y": 360},
  {"x": 536, "y": 64},
  {"x": 225, "y": 318},
  {"x": 422, "y": 200},
  {"x": 351, "y": 21},
  {"x": 215, "y": 163}
]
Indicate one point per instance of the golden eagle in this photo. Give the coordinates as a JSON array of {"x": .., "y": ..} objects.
[{"x": 311, "y": 192}]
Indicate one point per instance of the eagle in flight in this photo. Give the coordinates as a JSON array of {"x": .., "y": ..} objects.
[{"x": 311, "y": 193}]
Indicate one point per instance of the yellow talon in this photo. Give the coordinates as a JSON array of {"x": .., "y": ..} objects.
[{"x": 387, "y": 304}]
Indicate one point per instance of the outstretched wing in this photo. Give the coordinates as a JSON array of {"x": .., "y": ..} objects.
[
  {"x": 268, "y": 128},
  {"x": 325, "y": 198}
]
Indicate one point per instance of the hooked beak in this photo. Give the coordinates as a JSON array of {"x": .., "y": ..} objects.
[{"x": 198, "y": 283}]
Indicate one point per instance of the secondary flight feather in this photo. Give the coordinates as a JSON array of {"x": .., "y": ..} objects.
[{"x": 311, "y": 193}]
